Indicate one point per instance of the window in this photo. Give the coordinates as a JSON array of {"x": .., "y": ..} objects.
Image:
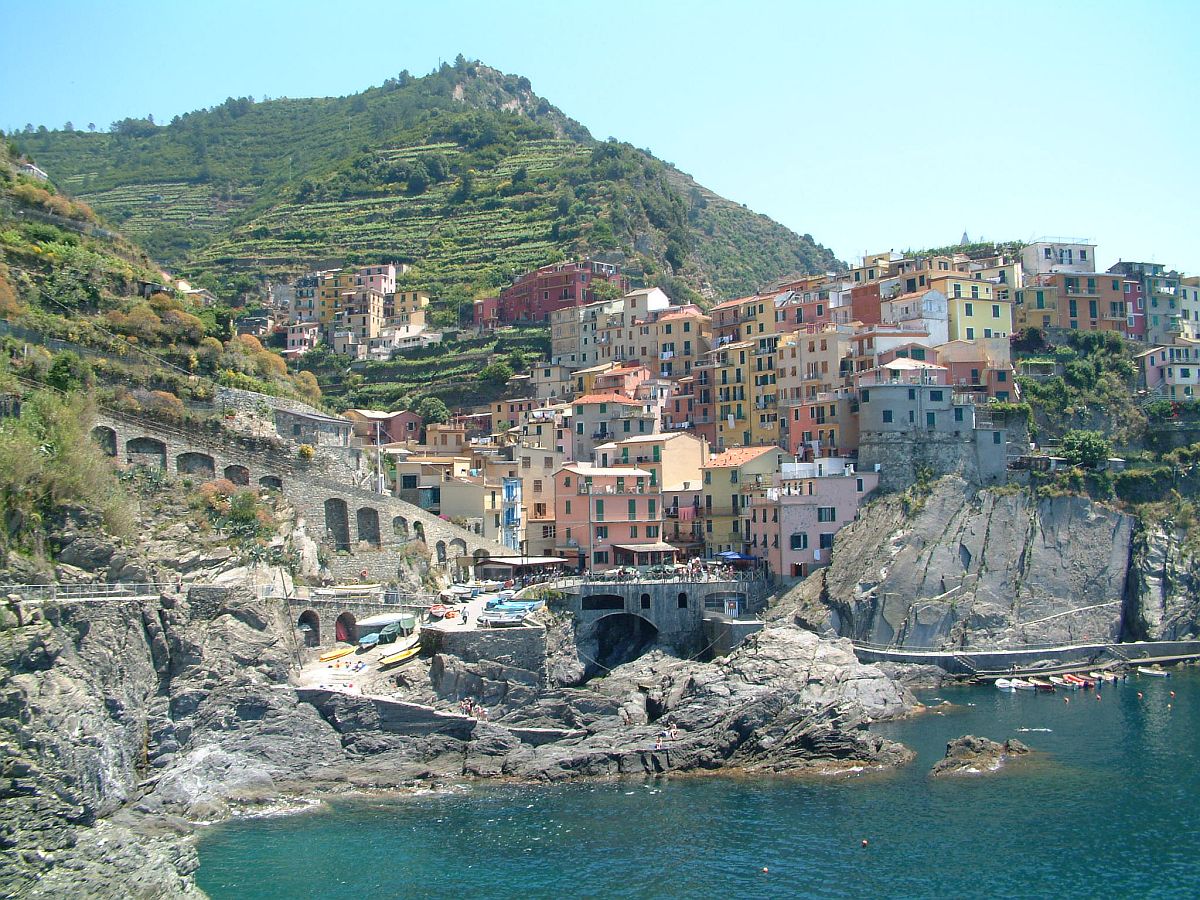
[
  {"x": 599, "y": 510},
  {"x": 683, "y": 601},
  {"x": 645, "y": 601},
  {"x": 799, "y": 541},
  {"x": 968, "y": 309},
  {"x": 995, "y": 437},
  {"x": 633, "y": 509},
  {"x": 859, "y": 485},
  {"x": 936, "y": 396},
  {"x": 602, "y": 532},
  {"x": 958, "y": 414},
  {"x": 826, "y": 513},
  {"x": 970, "y": 334},
  {"x": 826, "y": 540},
  {"x": 1002, "y": 376},
  {"x": 865, "y": 396},
  {"x": 651, "y": 531},
  {"x": 995, "y": 310},
  {"x": 931, "y": 419},
  {"x": 567, "y": 507},
  {"x": 887, "y": 415},
  {"x": 600, "y": 556},
  {"x": 633, "y": 531}
]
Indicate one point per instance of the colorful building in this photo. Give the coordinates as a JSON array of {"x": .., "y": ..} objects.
[
  {"x": 609, "y": 517},
  {"x": 724, "y": 500}
]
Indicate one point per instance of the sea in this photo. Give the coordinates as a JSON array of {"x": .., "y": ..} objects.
[{"x": 1107, "y": 806}]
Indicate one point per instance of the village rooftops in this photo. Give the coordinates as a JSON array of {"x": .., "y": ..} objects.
[
  {"x": 600, "y": 472},
  {"x": 605, "y": 398},
  {"x": 643, "y": 439},
  {"x": 731, "y": 304},
  {"x": 738, "y": 456}
]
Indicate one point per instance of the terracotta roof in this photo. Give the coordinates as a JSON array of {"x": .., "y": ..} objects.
[
  {"x": 737, "y": 456},
  {"x": 605, "y": 398},
  {"x": 682, "y": 314},
  {"x": 738, "y": 302}
]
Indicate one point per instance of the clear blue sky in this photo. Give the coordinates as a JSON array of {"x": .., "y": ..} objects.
[{"x": 870, "y": 125}]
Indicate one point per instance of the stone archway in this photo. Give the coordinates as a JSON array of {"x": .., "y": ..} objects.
[
  {"x": 271, "y": 483},
  {"x": 400, "y": 528},
  {"x": 419, "y": 530},
  {"x": 620, "y": 637},
  {"x": 200, "y": 464},
  {"x": 480, "y": 554},
  {"x": 309, "y": 624},
  {"x": 345, "y": 628},
  {"x": 441, "y": 552},
  {"x": 239, "y": 475},
  {"x": 458, "y": 547},
  {"x": 107, "y": 439},
  {"x": 368, "y": 526},
  {"x": 337, "y": 523},
  {"x": 147, "y": 451}
]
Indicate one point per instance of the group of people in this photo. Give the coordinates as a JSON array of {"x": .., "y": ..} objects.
[
  {"x": 670, "y": 733},
  {"x": 469, "y": 707}
]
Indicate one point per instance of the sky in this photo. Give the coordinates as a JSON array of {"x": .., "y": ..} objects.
[{"x": 869, "y": 125}]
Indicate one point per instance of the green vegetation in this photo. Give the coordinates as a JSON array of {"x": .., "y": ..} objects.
[
  {"x": 1087, "y": 449},
  {"x": 48, "y": 461},
  {"x": 465, "y": 173}
]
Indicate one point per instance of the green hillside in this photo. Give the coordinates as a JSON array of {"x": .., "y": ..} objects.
[{"x": 464, "y": 173}]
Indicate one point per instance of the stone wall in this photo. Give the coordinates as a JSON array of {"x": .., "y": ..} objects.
[
  {"x": 391, "y": 524},
  {"x": 252, "y": 403},
  {"x": 970, "y": 454},
  {"x": 522, "y": 647}
]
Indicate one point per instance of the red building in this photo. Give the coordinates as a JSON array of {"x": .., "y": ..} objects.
[
  {"x": 487, "y": 312},
  {"x": 864, "y": 303},
  {"x": 533, "y": 296}
]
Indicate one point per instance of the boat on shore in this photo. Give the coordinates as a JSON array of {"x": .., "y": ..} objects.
[
  {"x": 403, "y": 653},
  {"x": 336, "y": 653},
  {"x": 1156, "y": 671}
]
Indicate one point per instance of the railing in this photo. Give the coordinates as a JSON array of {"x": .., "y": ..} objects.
[
  {"x": 89, "y": 593},
  {"x": 609, "y": 489}
]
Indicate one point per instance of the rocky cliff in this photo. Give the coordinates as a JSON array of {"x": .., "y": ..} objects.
[
  {"x": 1165, "y": 586},
  {"x": 961, "y": 567}
]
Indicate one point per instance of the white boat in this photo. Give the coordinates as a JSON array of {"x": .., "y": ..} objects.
[
  {"x": 1004, "y": 684},
  {"x": 1151, "y": 670},
  {"x": 1060, "y": 682},
  {"x": 1022, "y": 685}
]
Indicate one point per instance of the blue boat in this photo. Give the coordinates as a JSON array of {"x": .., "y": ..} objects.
[{"x": 369, "y": 640}]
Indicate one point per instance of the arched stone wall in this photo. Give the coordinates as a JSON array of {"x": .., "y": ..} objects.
[
  {"x": 368, "y": 526},
  {"x": 337, "y": 523},
  {"x": 200, "y": 464},
  {"x": 239, "y": 475}
]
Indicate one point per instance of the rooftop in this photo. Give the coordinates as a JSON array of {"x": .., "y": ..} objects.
[
  {"x": 620, "y": 472},
  {"x": 606, "y": 398},
  {"x": 738, "y": 456}
]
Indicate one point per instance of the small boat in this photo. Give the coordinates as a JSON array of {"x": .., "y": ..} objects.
[
  {"x": 1042, "y": 685},
  {"x": 369, "y": 640},
  {"x": 1156, "y": 671},
  {"x": 1059, "y": 682},
  {"x": 410, "y": 649},
  {"x": 337, "y": 653},
  {"x": 1103, "y": 676},
  {"x": 1022, "y": 685},
  {"x": 1080, "y": 680},
  {"x": 1004, "y": 684},
  {"x": 438, "y": 610}
]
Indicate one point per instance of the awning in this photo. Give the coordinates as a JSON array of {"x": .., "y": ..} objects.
[
  {"x": 733, "y": 556},
  {"x": 658, "y": 547}
]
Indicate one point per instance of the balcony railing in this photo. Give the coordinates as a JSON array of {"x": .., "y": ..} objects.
[{"x": 610, "y": 489}]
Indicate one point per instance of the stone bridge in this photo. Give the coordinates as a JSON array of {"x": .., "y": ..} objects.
[
  {"x": 360, "y": 529},
  {"x": 668, "y": 611}
]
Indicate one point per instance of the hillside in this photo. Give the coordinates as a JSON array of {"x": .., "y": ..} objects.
[{"x": 464, "y": 172}]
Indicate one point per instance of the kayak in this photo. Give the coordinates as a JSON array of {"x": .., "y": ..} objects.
[
  {"x": 403, "y": 656},
  {"x": 335, "y": 654}
]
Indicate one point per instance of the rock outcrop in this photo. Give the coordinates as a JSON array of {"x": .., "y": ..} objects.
[
  {"x": 979, "y": 569},
  {"x": 970, "y": 755},
  {"x": 1166, "y": 582}
]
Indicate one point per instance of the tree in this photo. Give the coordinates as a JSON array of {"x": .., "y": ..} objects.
[
  {"x": 432, "y": 410},
  {"x": 68, "y": 372},
  {"x": 497, "y": 373},
  {"x": 1086, "y": 448},
  {"x": 68, "y": 126},
  {"x": 91, "y": 126}
]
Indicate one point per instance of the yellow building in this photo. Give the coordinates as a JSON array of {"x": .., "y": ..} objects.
[
  {"x": 973, "y": 309},
  {"x": 731, "y": 398},
  {"x": 731, "y": 479},
  {"x": 1036, "y": 306},
  {"x": 331, "y": 287},
  {"x": 407, "y": 308}
]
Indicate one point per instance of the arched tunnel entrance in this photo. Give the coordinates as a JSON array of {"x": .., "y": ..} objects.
[{"x": 621, "y": 638}]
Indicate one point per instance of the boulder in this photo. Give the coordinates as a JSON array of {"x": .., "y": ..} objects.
[{"x": 971, "y": 755}]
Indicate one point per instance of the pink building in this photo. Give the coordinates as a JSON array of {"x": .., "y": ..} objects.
[
  {"x": 380, "y": 278},
  {"x": 792, "y": 524},
  {"x": 487, "y": 313},
  {"x": 302, "y": 337},
  {"x": 609, "y": 517},
  {"x": 622, "y": 380}
]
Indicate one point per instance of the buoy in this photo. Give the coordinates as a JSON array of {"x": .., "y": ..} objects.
[
  {"x": 1168, "y": 706},
  {"x": 1066, "y": 699},
  {"x": 1172, "y": 693},
  {"x": 864, "y": 842},
  {"x": 765, "y": 870},
  {"x": 1139, "y": 695},
  {"x": 1097, "y": 696}
]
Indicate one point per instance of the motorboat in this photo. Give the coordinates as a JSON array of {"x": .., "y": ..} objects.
[
  {"x": 1004, "y": 684},
  {"x": 1022, "y": 685},
  {"x": 1156, "y": 671}
]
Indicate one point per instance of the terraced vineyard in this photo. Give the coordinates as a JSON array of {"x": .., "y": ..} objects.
[{"x": 465, "y": 172}]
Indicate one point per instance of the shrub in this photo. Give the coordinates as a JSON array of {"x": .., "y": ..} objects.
[
  {"x": 1085, "y": 448},
  {"x": 306, "y": 452}
]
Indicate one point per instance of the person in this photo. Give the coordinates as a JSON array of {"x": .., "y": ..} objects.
[
  {"x": 674, "y": 732},
  {"x": 658, "y": 744}
]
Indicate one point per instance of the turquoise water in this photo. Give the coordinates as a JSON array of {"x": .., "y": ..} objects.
[{"x": 1107, "y": 807}]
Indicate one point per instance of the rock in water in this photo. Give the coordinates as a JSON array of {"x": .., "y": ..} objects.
[{"x": 971, "y": 755}]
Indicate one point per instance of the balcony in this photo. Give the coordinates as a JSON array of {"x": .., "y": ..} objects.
[
  {"x": 667, "y": 354},
  {"x": 611, "y": 489}
]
